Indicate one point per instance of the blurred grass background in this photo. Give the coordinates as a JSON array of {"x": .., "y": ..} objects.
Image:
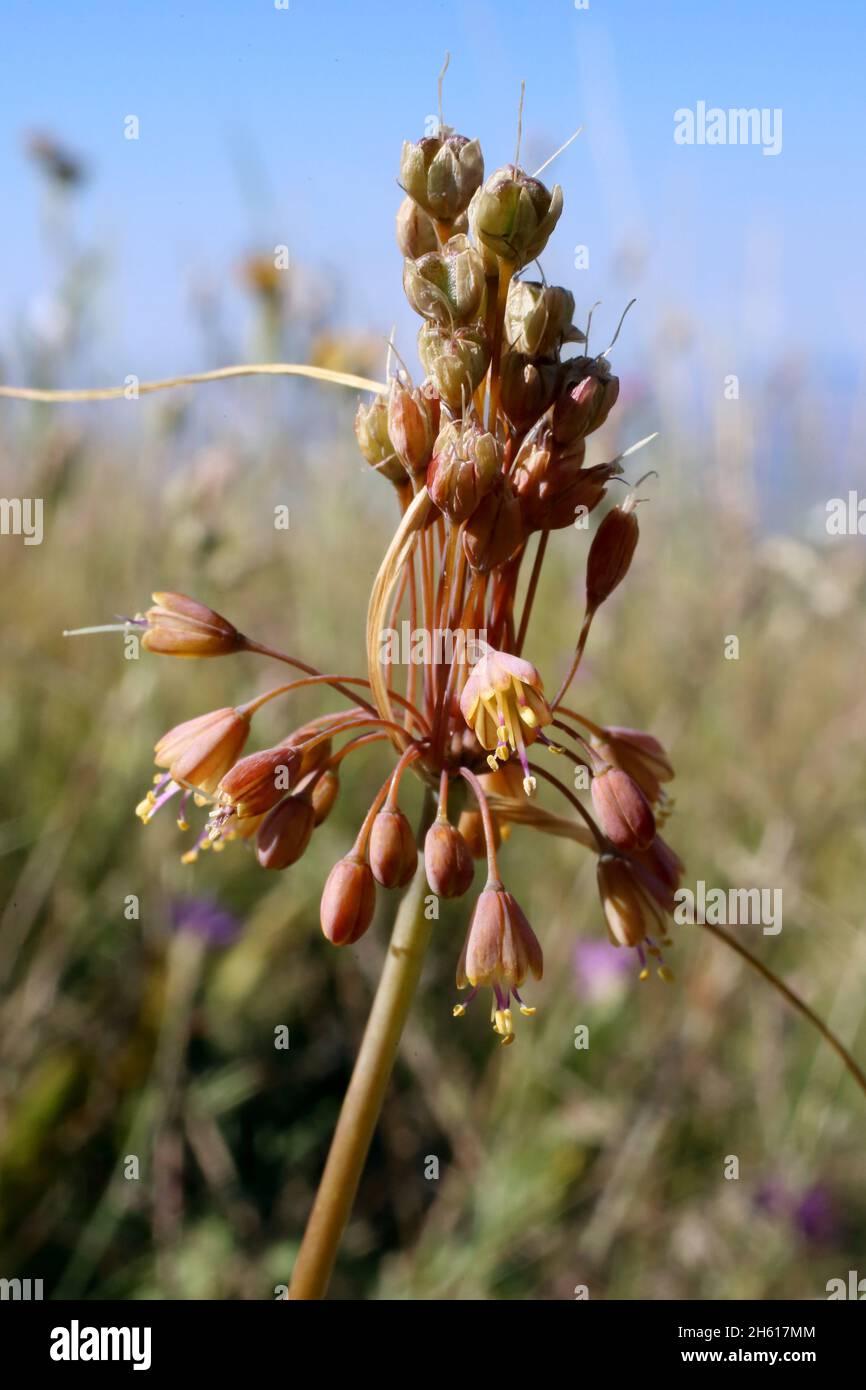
[{"x": 557, "y": 1167}]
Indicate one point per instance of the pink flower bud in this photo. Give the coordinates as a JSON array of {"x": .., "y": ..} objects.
[
  {"x": 348, "y": 901},
  {"x": 258, "y": 782},
  {"x": 610, "y": 554},
  {"x": 180, "y": 626},
  {"x": 625, "y": 814},
  {"x": 393, "y": 851},
  {"x": 285, "y": 832},
  {"x": 447, "y": 861}
]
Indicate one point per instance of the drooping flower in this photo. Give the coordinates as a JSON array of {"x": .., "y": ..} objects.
[
  {"x": 501, "y": 950},
  {"x": 503, "y": 702}
]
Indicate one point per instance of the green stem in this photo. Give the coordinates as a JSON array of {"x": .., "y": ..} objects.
[{"x": 362, "y": 1103}]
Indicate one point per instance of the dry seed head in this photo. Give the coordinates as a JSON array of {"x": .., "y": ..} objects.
[
  {"x": 441, "y": 172},
  {"x": 466, "y": 462},
  {"x": 455, "y": 362},
  {"x": 416, "y": 235},
  {"x": 513, "y": 215},
  {"x": 371, "y": 432},
  {"x": 447, "y": 286},
  {"x": 538, "y": 319},
  {"x": 413, "y": 419}
]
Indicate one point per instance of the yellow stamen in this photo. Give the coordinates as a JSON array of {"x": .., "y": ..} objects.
[
  {"x": 458, "y": 1011},
  {"x": 502, "y": 1024}
]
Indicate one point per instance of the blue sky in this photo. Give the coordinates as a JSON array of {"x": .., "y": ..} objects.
[{"x": 260, "y": 125}]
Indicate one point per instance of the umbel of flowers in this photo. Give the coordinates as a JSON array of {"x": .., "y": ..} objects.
[{"x": 485, "y": 457}]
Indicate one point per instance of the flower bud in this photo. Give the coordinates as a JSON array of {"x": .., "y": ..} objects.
[
  {"x": 348, "y": 901},
  {"x": 441, "y": 173},
  {"x": 638, "y": 754},
  {"x": 610, "y": 554},
  {"x": 589, "y": 394},
  {"x": 494, "y": 530},
  {"x": 198, "y": 752},
  {"x": 466, "y": 462},
  {"x": 393, "y": 851},
  {"x": 416, "y": 235},
  {"x": 513, "y": 215},
  {"x": 256, "y": 783},
  {"x": 371, "y": 432},
  {"x": 324, "y": 794},
  {"x": 179, "y": 626},
  {"x": 526, "y": 388},
  {"x": 447, "y": 286},
  {"x": 538, "y": 319},
  {"x": 447, "y": 861},
  {"x": 630, "y": 909},
  {"x": 285, "y": 832},
  {"x": 413, "y": 419},
  {"x": 455, "y": 362},
  {"x": 625, "y": 814}
]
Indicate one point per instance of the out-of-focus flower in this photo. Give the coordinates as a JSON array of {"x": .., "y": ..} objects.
[
  {"x": 599, "y": 969},
  {"x": 206, "y": 919}
]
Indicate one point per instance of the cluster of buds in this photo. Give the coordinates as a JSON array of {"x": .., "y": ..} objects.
[{"x": 490, "y": 448}]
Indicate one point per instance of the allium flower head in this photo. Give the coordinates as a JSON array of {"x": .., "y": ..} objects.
[{"x": 487, "y": 458}]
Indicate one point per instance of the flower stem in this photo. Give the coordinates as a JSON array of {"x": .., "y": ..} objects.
[
  {"x": 366, "y": 1091},
  {"x": 793, "y": 999}
]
